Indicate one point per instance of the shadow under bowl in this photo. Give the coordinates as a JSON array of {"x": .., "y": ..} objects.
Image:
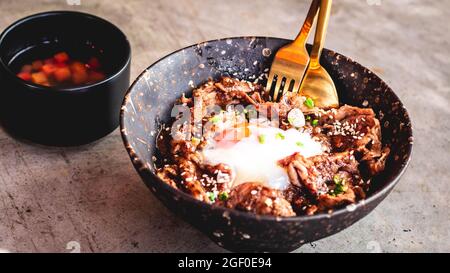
[
  {"x": 148, "y": 105},
  {"x": 63, "y": 116}
]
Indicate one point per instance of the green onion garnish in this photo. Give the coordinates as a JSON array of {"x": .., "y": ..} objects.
[
  {"x": 315, "y": 122},
  {"x": 309, "y": 103},
  {"x": 340, "y": 186},
  {"x": 262, "y": 139},
  {"x": 337, "y": 179},
  {"x": 280, "y": 136},
  {"x": 223, "y": 196},
  {"x": 211, "y": 196},
  {"x": 299, "y": 144}
]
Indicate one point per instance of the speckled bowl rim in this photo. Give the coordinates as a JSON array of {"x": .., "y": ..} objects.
[
  {"x": 140, "y": 166},
  {"x": 71, "y": 90}
]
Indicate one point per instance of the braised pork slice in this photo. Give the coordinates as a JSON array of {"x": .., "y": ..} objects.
[
  {"x": 313, "y": 173},
  {"x": 353, "y": 128},
  {"x": 226, "y": 92},
  {"x": 259, "y": 199},
  {"x": 330, "y": 181},
  {"x": 329, "y": 201}
]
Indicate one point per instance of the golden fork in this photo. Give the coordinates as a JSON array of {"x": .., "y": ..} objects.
[
  {"x": 317, "y": 83},
  {"x": 291, "y": 61}
]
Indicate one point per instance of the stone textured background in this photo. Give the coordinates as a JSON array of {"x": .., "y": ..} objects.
[{"x": 57, "y": 199}]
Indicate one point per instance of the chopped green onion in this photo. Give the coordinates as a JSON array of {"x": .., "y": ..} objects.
[
  {"x": 211, "y": 196},
  {"x": 340, "y": 185},
  {"x": 300, "y": 144},
  {"x": 280, "y": 136},
  {"x": 308, "y": 118},
  {"x": 309, "y": 103},
  {"x": 223, "y": 196},
  {"x": 337, "y": 179},
  {"x": 315, "y": 122},
  {"x": 262, "y": 139}
]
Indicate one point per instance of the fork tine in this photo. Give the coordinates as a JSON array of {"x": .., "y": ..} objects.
[
  {"x": 292, "y": 58},
  {"x": 277, "y": 89},
  {"x": 287, "y": 84},
  {"x": 269, "y": 82},
  {"x": 296, "y": 86}
]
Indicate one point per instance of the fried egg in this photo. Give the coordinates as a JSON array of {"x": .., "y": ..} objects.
[{"x": 254, "y": 157}]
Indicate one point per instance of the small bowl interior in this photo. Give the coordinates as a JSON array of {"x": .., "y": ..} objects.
[
  {"x": 65, "y": 30},
  {"x": 150, "y": 99}
]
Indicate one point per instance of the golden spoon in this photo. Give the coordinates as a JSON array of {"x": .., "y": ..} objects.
[{"x": 317, "y": 83}]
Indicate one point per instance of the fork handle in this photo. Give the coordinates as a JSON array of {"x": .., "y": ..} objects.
[
  {"x": 321, "y": 31},
  {"x": 301, "y": 38}
]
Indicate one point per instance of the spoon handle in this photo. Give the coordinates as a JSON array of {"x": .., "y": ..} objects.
[
  {"x": 304, "y": 32},
  {"x": 321, "y": 31}
]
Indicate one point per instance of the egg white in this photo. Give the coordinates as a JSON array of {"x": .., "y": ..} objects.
[{"x": 254, "y": 158}]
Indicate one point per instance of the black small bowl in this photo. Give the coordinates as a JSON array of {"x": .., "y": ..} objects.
[
  {"x": 148, "y": 103},
  {"x": 69, "y": 116}
]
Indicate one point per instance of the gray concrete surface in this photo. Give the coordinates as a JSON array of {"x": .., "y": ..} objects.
[{"x": 57, "y": 199}]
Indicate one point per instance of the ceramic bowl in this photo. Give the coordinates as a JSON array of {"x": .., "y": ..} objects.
[
  {"x": 63, "y": 116},
  {"x": 148, "y": 103}
]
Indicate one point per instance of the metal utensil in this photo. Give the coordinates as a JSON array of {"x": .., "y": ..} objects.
[
  {"x": 317, "y": 83},
  {"x": 291, "y": 61}
]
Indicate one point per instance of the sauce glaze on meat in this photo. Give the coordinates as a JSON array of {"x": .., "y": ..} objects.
[{"x": 350, "y": 136}]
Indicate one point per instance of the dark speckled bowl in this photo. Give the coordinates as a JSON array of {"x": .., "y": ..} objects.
[{"x": 150, "y": 99}]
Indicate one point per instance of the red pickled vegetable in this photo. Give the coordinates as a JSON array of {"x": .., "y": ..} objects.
[
  {"x": 61, "y": 57},
  {"x": 79, "y": 74},
  {"x": 37, "y": 65},
  {"x": 94, "y": 63},
  {"x": 78, "y": 67},
  {"x": 27, "y": 68},
  {"x": 49, "y": 61},
  {"x": 61, "y": 70},
  {"x": 79, "y": 78},
  {"x": 62, "y": 74},
  {"x": 39, "y": 78},
  {"x": 60, "y": 65},
  {"x": 26, "y": 76},
  {"x": 48, "y": 69}
]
